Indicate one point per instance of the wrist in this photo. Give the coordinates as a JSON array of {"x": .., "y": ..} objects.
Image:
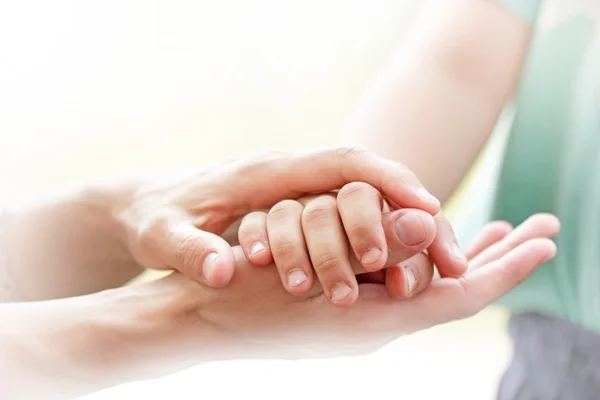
[
  {"x": 70, "y": 244},
  {"x": 143, "y": 331},
  {"x": 79, "y": 345},
  {"x": 110, "y": 200}
]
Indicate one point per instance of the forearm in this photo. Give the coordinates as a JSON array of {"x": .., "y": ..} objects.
[
  {"x": 67, "y": 246},
  {"x": 71, "y": 347},
  {"x": 437, "y": 102}
]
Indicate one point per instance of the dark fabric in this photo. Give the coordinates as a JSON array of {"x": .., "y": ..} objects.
[{"x": 553, "y": 360}]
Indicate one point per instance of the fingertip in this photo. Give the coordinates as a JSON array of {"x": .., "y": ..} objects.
[
  {"x": 546, "y": 248},
  {"x": 429, "y": 202},
  {"x": 218, "y": 267},
  {"x": 297, "y": 282},
  {"x": 551, "y": 221},
  {"x": 343, "y": 296},
  {"x": 259, "y": 254},
  {"x": 373, "y": 260}
]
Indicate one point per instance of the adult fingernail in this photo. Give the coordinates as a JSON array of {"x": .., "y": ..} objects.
[
  {"x": 424, "y": 195},
  {"x": 370, "y": 257},
  {"x": 257, "y": 247},
  {"x": 340, "y": 292},
  {"x": 209, "y": 265},
  {"x": 411, "y": 280},
  {"x": 457, "y": 253},
  {"x": 296, "y": 278},
  {"x": 410, "y": 229}
]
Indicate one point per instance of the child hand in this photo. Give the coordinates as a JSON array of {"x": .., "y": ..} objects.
[{"x": 313, "y": 235}]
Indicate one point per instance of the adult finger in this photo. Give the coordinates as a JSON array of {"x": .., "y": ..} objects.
[
  {"x": 536, "y": 226},
  {"x": 199, "y": 255},
  {"x": 409, "y": 278},
  {"x": 491, "y": 233},
  {"x": 264, "y": 180},
  {"x": 253, "y": 238},
  {"x": 289, "y": 247},
  {"x": 359, "y": 205},
  {"x": 444, "y": 251},
  {"x": 449, "y": 299}
]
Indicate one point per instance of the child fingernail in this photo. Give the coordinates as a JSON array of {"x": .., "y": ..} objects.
[
  {"x": 370, "y": 257},
  {"x": 427, "y": 197},
  {"x": 257, "y": 247},
  {"x": 340, "y": 292},
  {"x": 296, "y": 278},
  {"x": 457, "y": 253}
]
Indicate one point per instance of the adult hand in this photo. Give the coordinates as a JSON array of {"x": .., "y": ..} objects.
[
  {"x": 177, "y": 224},
  {"x": 75, "y": 345},
  {"x": 255, "y": 311}
]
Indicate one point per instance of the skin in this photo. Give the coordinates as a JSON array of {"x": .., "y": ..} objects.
[
  {"x": 94, "y": 239},
  {"x": 73, "y": 346},
  {"x": 322, "y": 237},
  {"x": 176, "y": 223},
  {"x": 460, "y": 63},
  {"x": 102, "y": 235}
]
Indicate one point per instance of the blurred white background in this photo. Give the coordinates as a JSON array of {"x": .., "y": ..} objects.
[{"x": 98, "y": 89}]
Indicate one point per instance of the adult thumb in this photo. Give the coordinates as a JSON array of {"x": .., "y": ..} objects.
[{"x": 199, "y": 255}]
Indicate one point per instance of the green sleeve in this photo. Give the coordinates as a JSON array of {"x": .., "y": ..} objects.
[{"x": 526, "y": 9}]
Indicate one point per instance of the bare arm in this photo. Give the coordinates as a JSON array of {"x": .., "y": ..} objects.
[
  {"x": 65, "y": 246},
  {"x": 438, "y": 100},
  {"x": 69, "y": 347}
]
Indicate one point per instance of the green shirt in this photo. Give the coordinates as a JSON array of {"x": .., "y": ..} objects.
[{"x": 548, "y": 160}]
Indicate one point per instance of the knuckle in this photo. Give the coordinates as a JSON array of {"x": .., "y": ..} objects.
[
  {"x": 362, "y": 235},
  {"x": 191, "y": 253},
  {"x": 284, "y": 250},
  {"x": 319, "y": 211},
  {"x": 149, "y": 232},
  {"x": 254, "y": 222},
  {"x": 351, "y": 152},
  {"x": 354, "y": 189},
  {"x": 327, "y": 263},
  {"x": 284, "y": 210}
]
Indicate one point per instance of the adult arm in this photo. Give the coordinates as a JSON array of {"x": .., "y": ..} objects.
[
  {"x": 101, "y": 236},
  {"x": 73, "y": 346},
  {"x": 63, "y": 246}
]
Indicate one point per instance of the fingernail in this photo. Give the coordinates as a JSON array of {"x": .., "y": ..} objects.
[
  {"x": 257, "y": 247},
  {"x": 296, "y": 278},
  {"x": 340, "y": 292},
  {"x": 410, "y": 229},
  {"x": 370, "y": 257},
  {"x": 457, "y": 253},
  {"x": 427, "y": 197},
  {"x": 209, "y": 265},
  {"x": 411, "y": 280}
]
